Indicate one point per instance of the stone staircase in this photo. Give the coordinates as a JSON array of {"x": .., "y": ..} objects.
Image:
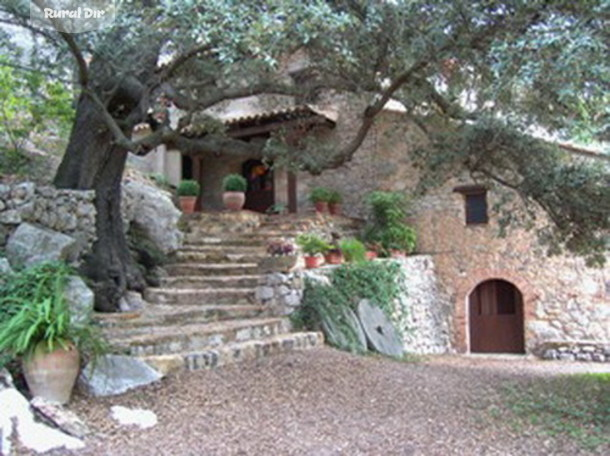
[{"x": 205, "y": 312}]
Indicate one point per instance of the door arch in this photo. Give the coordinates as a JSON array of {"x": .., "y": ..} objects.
[
  {"x": 260, "y": 195},
  {"x": 496, "y": 318}
]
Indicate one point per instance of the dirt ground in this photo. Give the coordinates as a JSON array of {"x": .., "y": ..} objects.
[{"x": 326, "y": 402}]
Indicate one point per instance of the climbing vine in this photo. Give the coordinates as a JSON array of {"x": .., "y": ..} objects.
[{"x": 329, "y": 303}]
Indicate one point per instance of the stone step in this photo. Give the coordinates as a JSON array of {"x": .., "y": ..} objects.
[
  {"x": 217, "y": 256},
  {"x": 198, "y": 296},
  {"x": 163, "y": 340},
  {"x": 164, "y": 315},
  {"x": 208, "y": 269},
  {"x": 218, "y": 281},
  {"x": 229, "y": 240},
  {"x": 235, "y": 352}
]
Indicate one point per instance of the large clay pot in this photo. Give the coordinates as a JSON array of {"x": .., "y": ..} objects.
[
  {"x": 187, "y": 204},
  {"x": 312, "y": 262},
  {"x": 334, "y": 208},
  {"x": 334, "y": 257},
  {"x": 321, "y": 207},
  {"x": 234, "y": 201},
  {"x": 51, "y": 375},
  {"x": 371, "y": 255}
]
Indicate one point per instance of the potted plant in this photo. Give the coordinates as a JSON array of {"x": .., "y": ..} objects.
[
  {"x": 387, "y": 227},
  {"x": 234, "y": 196},
  {"x": 188, "y": 191},
  {"x": 282, "y": 257},
  {"x": 372, "y": 250},
  {"x": 313, "y": 247},
  {"x": 333, "y": 255},
  {"x": 334, "y": 202},
  {"x": 36, "y": 327},
  {"x": 353, "y": 250},
  {"x": 320, "y": 196}
]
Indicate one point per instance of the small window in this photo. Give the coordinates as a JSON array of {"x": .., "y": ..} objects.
[
  {"x": 476, "y": 208},
  {"x": 475, "y": 198}
]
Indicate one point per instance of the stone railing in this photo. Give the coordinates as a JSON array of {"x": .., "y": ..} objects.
[{"x": 576, "y": 350}]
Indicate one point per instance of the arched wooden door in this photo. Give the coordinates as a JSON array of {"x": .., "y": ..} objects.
[
  {"x": 496, "y": 318},
  {"x": 260, "y": 195}
]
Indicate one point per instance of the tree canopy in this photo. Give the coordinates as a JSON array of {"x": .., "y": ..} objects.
[{"x": 482, "y": 72}]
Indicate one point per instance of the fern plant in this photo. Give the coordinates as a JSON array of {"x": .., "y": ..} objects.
[{"x": 35, "y": 314}]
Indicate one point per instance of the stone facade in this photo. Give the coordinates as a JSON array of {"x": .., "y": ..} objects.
[
  {"x": 563, "y": 299},
  {"x": 69, "y": 212}
]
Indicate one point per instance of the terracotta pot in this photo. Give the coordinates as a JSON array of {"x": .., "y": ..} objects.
[
  {"x": 397, "y": 254},
  {"x": 234, "y": 201},
  {"x": 51, "y": 375},
  {"x": 312, "y": 262},
  {"x": 321, "y": 207},
  {"x": 334, "y": 208},
  {"x": 371, "y": 255},
  {"x": 285, "y": 263},
  {"x": 334, "y": 257},
  {"x": 187, "y": 204}
]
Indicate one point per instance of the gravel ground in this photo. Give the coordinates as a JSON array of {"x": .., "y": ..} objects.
[{"x": 326, "y": 402}]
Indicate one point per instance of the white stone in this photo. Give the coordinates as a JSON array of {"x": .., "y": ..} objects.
[
  {"x": 153, "y": 212},
  {"x": 5, "y": 267},
  {"x": 10, "y": 217},
  {"x": 17, "y": 417},
  {"x": 138, "y": 417},
  {"x": 30, "y": 244},
  {"x": 80, "y": 300},
  {"x": 116, "y": 374},
  {"x": 264, "y": 293},
  {"x": 131, "y": 302}
]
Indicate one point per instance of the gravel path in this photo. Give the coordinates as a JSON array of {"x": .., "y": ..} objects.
[{"x": 326, "y": 402}]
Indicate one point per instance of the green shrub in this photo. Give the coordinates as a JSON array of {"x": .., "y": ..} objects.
[
  {"x": 353, "y": 250},
  {"x": 312, "y": 245},
  {"x": 335, "y": 197},
  {"x": 320, "y": 195},
  {"x": 188, "y": 188},
  {"x": 387, "y": 227},
  {"x": 34, "y": 312},
  {"x": 234, "y": 183},
  {"x": 161, "y": 180}
]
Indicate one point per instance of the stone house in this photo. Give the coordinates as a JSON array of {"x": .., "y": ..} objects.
[{"x": 500, "y": 294}]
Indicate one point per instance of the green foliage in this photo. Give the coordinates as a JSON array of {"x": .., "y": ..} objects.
[
  {"x": 320, "y": 195},
  {"x": 34, "y": 312},
  {"x": 188, "y": 188},
  {"x": 379, "y": 281},
  {"x": 312, "y": 245},
  {"x": 577, "y": 406},
  {"x": 161, "y": 180},
  {"x": 387, "y": 227},
  {"x": 353, "y": 250},
  {"x": 234, "y": 183},
  {"x": 29, "y": 104},
  {"x": 335, "y": 197},
  {"x": 573, "y": 193}
]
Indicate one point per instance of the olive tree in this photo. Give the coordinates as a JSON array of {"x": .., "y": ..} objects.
[{"x": 481, "y": 72}]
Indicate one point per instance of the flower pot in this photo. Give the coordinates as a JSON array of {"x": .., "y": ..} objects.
[
  {"x": 397, "y": 253},
  {"x": 334, "y": 208},
  {"x": 371, "y": 255},
  {"x": 187, "y": 204},
  {"x": 51, "y": 375},
  {"x": 334, "y": 257},
  {"x": 312, "y": 262},
  {"x": 234, "y": 201},
  {"x": 285, "y": 263},
  {"x": 321, "y": 207}
]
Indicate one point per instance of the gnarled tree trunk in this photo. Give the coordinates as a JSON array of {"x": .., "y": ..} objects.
[{"x": 93, "y": 162}]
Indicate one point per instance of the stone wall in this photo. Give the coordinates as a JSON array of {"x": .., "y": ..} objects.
[
  {"x": 66, "y": 211},
  {"x": 563, "y": 298},
  {"x": 423, "y": 314}
]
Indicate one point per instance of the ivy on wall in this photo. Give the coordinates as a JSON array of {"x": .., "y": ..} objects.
[{"x": 381, "y": 282}]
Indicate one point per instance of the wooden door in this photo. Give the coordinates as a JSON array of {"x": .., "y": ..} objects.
[{"x": 496, "y": 318}]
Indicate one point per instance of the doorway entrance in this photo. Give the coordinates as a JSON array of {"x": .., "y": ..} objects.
[
  {"x": 260, "y": 195},
  {"x": 496, "y": 318}
]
